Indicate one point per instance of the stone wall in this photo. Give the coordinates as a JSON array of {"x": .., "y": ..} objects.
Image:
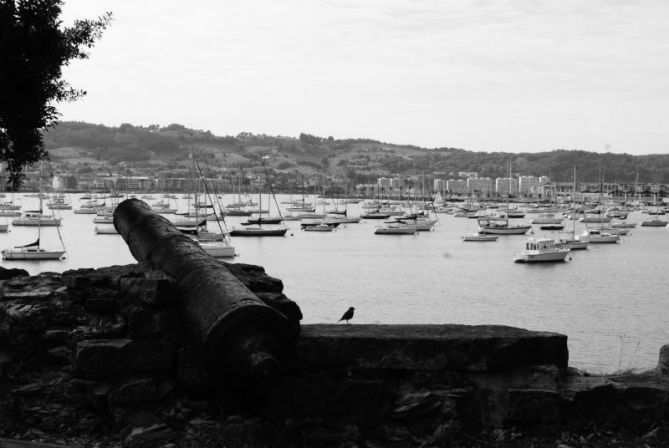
[{"x": 99, "y": 356}]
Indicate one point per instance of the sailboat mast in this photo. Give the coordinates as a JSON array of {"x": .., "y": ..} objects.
[
  {"x": 39, "y": 215},
  {"x": 508, "y": 196}
]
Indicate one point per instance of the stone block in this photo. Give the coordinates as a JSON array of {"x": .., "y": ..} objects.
[
  {"x": 153, "y": 292},
  {"x": 363, "y": 402},
  {"x": 531, "y": 406},
  {"x": 141, "y": 389},
  {"x": 100, "y": 304},
  {"x": 106, "y": 357},
  {"x": 462, "y": 348},
  {"x": 7, "y": 273},
  {"x": 151, "y": 325},
  {"x": 415, "y": 404}
]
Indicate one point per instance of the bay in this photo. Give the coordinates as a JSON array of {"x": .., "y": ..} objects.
[{"x": 609, "y": 300}]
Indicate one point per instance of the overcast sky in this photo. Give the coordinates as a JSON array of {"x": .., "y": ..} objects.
[{"x": 479, "y": 75}]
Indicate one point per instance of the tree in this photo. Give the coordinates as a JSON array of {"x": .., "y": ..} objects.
[{"x": 33, "y": 49}]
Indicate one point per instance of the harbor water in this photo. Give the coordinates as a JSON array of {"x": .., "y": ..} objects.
[{"x": 610, "y": 299}]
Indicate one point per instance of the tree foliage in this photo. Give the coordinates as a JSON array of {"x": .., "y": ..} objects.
[{"x": 34, "y": 46}]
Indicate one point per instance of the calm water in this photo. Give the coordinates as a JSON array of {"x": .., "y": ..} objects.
[{"x": 610, "y": 300}]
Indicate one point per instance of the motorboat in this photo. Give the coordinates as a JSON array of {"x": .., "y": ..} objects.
[
  {"x": 596, "y": 236},
  {"x": 572, "y": 243},
  {"x": 541, "y": 250}
]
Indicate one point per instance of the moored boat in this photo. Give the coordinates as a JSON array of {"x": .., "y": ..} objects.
[
  {"x": 479, "y": 237},
  {"x": 541, "y": 250},
  {"x": 596, "y": 236}
]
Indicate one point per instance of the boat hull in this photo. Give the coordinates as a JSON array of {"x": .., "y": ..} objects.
[
  {"x": 218, "y": 250},
  {"x": 36, "y": 222},
  {"x": 511, "y": 230},
  {"x": 550, "y": 257},
  {"x": 480, "y": 238},
  {"x": 33, "y": 254},
  {"x": 395, "y": 231},
  {"x": 258, "y": 232},
  {"x": 654, "y": 223}
]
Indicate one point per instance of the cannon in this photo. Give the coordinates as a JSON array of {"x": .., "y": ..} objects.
[{"x": 238, "y": 336}]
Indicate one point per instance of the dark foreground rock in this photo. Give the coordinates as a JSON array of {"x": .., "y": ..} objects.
[{"x": 99, "y": 357}]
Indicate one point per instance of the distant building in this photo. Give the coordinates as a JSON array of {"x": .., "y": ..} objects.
[
  {"x": 397, "y": 184},
  {"x": 528, "y": 185},
  {"x": 456, "y": 186},
  {"x": 383, "y": 183},
  {"x": 439, "y": 186},
  {"x": 506, "y": 186},
  {"x": 480, "y": 185}
]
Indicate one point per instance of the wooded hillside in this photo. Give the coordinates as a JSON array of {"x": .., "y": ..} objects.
[{"x": 165, "y": 150}]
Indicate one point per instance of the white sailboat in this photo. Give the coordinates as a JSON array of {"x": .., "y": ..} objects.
[
  {"x": 258, "y": 229},
  {"x": 499, "y": 225},
  {"x": 655, "y": 221},
  {"x": 215, "y": 244},
  {"x": 34, "y": 251}
]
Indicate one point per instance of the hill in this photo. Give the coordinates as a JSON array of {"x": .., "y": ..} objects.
[{"x": 164, "y": 151}]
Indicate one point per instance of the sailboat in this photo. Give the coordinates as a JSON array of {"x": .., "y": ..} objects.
[
  {"x": 257, "y": 229},
  {"x": 499, "y": 225},
  {"x": 655, "y": 221},
  {"x": 215, "y": 244},
  {"x": 34, "y": 251},
  {"x": 572, "y": 242}
]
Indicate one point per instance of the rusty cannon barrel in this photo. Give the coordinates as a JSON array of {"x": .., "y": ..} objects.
[{"x": 239, "y": 337}]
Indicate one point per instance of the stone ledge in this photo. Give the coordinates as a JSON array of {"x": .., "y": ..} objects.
[{"x": 482, "y": 348}]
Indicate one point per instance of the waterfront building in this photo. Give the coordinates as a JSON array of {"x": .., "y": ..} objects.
[
  {"x": 528, "y": 185},
  {"x": 456, "y": 186},
  {"x": 439, "y": 186},
  {"x": 505, "y": 186},
  {"x": 383, "y": 184},
  {"x": 397, "y": 184},
  {"x": 480, "y": 186}
]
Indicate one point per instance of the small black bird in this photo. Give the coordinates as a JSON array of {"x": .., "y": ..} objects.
[{"x": 348, "y": 315}]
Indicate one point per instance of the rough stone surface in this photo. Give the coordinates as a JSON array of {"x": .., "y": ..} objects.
[
  {"x": 428, "y": 347},
  {"x": 6, "y": 273},
  {"x": 110, "y": 356}
]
